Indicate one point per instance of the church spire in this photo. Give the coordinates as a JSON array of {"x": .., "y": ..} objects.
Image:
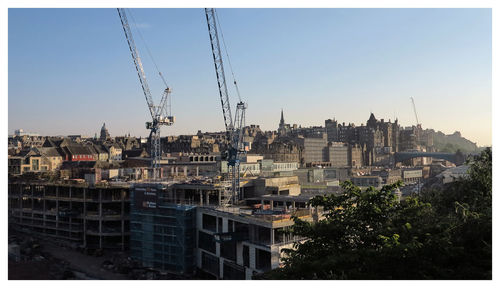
[{"x": 282, "y": 121}]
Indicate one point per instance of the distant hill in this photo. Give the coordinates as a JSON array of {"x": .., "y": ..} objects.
[{"x": 453, "y": 142}]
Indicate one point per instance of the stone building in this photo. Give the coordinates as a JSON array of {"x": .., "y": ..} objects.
[
  {"x": 282, "y": 150},
  {"x": 331, "y": 127},
  {"x": 356, "y": 155},
  {"x": 315, "y": 149},
  {"x": 338, "y": 154}
]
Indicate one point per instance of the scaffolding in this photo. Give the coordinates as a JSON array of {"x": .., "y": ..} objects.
[{"x": 162, "y": 235}]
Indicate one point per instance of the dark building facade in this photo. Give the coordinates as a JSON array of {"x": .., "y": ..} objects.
[
  {"x": 92, "y": 217},
  {"x": 163, "y": 234}
]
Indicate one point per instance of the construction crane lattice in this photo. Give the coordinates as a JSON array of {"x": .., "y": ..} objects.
[
  {"x": 234, "y": 129},
  {"x": 160, "y": 114}
]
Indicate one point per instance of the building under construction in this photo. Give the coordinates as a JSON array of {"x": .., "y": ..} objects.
[
  {"x": 189, "y": 227},
  {"x": 94, "y": 217},
  {"x": 162, "y": 233}
]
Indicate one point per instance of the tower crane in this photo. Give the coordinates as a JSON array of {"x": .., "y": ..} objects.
[
  {"x": 159, "y": 113},
  {"x": 414, "y": 110},
  {"x": 234, "y": 129}
]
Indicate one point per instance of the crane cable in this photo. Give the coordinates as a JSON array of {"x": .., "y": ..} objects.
[
  {"x": 147, "y": 48},
  {"x": 227, "y": 54}
]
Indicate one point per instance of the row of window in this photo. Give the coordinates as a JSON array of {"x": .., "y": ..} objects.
[{"x": 80, "y": 156}]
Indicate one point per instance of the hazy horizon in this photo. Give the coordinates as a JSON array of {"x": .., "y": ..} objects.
[{"x": 70, "y": 70}]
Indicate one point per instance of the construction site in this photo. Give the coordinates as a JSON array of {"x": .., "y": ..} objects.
[
  {"x": 206, "y": 206},
  {"x": 228, "y": 225},
  {"x": 221, "y": 227}
]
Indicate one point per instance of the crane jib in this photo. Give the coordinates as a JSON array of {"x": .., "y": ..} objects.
[{"x": 157, "y": 112}]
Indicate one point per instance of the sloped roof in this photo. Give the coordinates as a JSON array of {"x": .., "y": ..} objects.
[
  {"x": 49, "y": 152},
  {"x": 131, "y": 163},
  {"x": 77, "y": 149},
  {"x": 57, "y": 142},
  {"x": 30, "y": 152},
  {"x": 115, "y": 145},
  {"x": 101, "y": 149},
  {"x": 134, "y": 153},
  {"x": 92, "y": 148}
]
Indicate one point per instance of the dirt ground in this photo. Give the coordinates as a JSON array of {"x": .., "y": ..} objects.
[
  {"x": 46, "y": 259},
  {"x": 54, "y": 262},
  {"x": 90, "y": 265}
]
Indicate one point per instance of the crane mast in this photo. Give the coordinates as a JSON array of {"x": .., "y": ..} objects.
[
  {"x": 414, "y": 110},
  {"x": 159, "y": 114},
  {"x": 234, "y": 129}
]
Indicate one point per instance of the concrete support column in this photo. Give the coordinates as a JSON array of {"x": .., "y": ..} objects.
[
  {"x": 221, "y": 269},
  {"x": 85, "y": 217},
  {"x": 57, "y": 209},
  {"x": 100, "y": 218},
  {"x": 122, "y": 217},
  {"x": 271, "y": 202},
  {"x": 32, "y": 200},
  {"x": 44, "y": 208},
  {"x": 252, "y": 255},
  {"x": 207, "y": 199},
  {"x": 70, "y": 208},
  {"x": 225, "y": 226},
  {"x": 20, "y": 197},
  {"x": 275, "y": 258},
  {"x": 216, "y": 225},
  {"x": 272, "y": 236},
  {"x": 201, "y": 196},
  {"x": 239, "y": 253}
]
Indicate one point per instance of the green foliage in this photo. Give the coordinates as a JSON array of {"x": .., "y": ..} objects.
[
  {"x": 443, "y": 234},
  {"x": 452, "y": 143}
]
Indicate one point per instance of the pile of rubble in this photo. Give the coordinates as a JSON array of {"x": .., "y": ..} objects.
[
  {"x": 26, "y": 261},
  {"x": 121, "y": 263}
]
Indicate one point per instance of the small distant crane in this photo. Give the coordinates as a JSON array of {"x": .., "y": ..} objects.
[
  {"x": 414, "y": 110},
  {"x": 234, "y": 129},
  {"x": 160, "y": 114}
]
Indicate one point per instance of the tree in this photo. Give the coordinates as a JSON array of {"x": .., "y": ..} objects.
[{"x": 443, "y": 234}]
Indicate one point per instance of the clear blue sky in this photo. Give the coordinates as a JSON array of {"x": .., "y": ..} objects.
[{"x": 70, "y": 70}]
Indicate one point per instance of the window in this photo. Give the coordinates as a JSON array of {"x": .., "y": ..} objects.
[
  {"x": 246, "y": 256},
  {"x": 35, "y": 164},
  {"x": 228, "y": 250},
  {"x": 210, "y": 263},
  {"x": 263, "y": 259},
  {"x": 233, "y": 271},
  {"x": 209, "y": 222},
  {"x": 206, "y": 241}
]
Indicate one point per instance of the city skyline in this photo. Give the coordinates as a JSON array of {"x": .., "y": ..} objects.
[{"x": 374, "y": 62}]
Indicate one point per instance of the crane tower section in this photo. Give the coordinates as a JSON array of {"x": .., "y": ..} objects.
[
  {"x": 159, "y": 114},
  {"x": 234, "y": 125}
]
